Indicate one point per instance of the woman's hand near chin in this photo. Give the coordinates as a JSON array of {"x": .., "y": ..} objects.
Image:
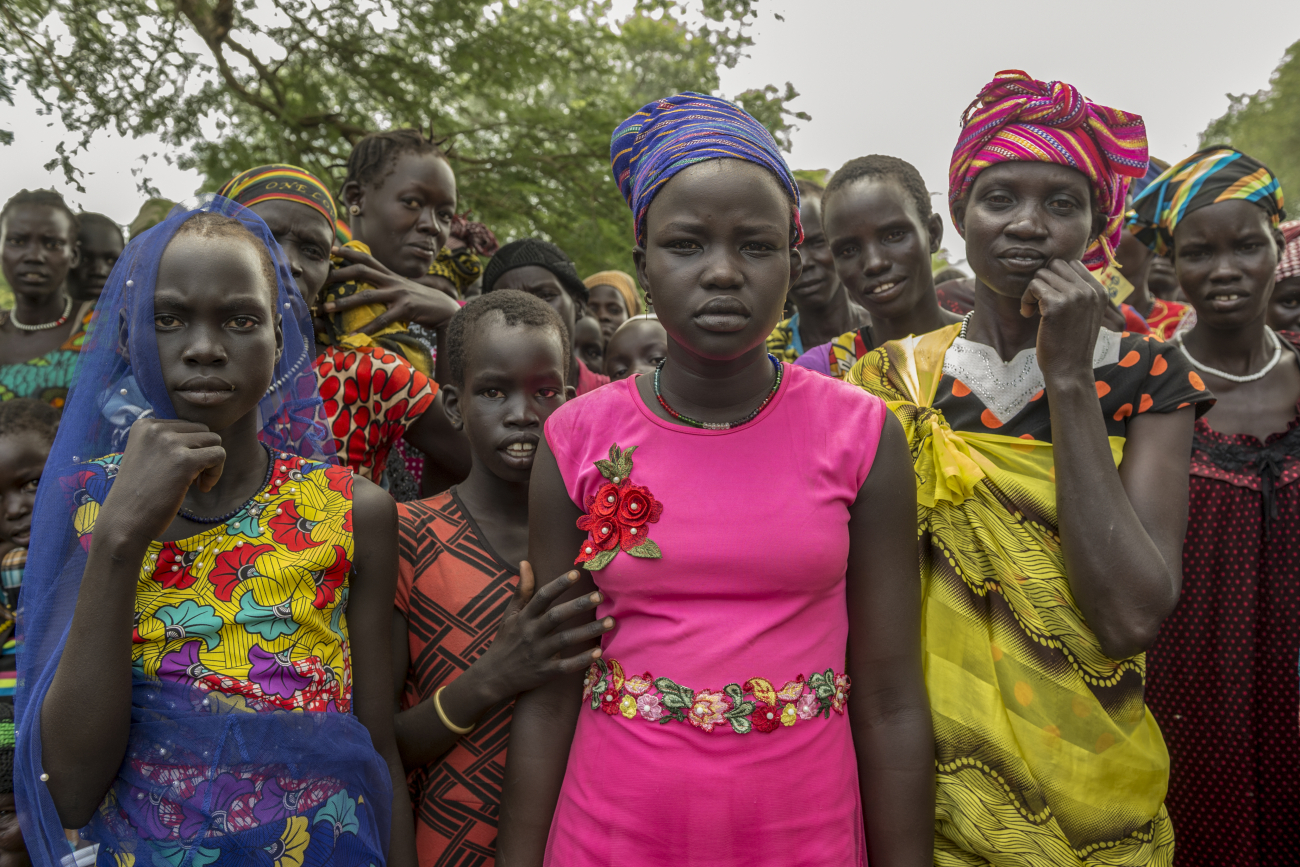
[
  {"x": 162, "y": 459},
  {"x": 1072, "y": 305}
]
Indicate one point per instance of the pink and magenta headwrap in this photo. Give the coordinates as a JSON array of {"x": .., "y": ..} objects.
[
  {"x": 669, "y": 134},
  {"x": 1288, "y": 265},
  {"x": 1018, "y": 118}
]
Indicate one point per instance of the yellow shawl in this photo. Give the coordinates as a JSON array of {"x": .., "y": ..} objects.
[
  {"x": 342, "y": 327},
  {"x": 1047, "y": 755}
]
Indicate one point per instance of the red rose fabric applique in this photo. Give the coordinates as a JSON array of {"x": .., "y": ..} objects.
[{"x": 618, "y": 515}]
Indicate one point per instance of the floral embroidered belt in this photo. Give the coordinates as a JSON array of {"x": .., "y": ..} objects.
[{"x": 757, "y": 706}]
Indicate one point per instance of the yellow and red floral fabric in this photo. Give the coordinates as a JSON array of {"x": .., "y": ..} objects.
[{"x": 253, "y": 607}]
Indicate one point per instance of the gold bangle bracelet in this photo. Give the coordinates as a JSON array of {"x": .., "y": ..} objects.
[{"x": 442, "y": 715}]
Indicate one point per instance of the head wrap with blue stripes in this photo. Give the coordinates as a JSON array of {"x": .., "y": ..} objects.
[
  {"x": 670, "y": 134},
  {"x": 1207, "y": 177}
]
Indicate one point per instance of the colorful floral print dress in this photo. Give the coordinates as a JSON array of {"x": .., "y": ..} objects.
[{"x": 250, "y": 613}]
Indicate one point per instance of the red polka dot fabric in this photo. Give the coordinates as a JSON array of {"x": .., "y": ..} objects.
[
  {"x": 1222, "y": 677},
  {"x": 371, "y": 396}
]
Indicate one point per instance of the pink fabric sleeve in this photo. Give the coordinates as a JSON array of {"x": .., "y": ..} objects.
[
  {"x": 564, "y": 432},
  {"x": 861, "y": 422}
]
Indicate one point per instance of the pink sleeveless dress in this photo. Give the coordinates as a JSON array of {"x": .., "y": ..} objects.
[{"x": 714, "y": 731}]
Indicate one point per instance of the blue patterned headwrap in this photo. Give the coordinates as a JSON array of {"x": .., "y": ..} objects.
[{"x": 669, "y": 134}]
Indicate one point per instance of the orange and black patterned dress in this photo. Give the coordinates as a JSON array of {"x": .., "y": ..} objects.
[
  {"x": 1046, "y": 753},
  {"x": 453, "y": 589},
  {"x": 371, "y": 397}
]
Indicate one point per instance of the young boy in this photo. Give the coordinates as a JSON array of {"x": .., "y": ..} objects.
[
  {"x": 466, "y": 639},
  {"x": 637, "y": 346}
]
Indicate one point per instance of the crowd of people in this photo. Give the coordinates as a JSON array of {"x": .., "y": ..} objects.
[{"x": 336, "y": 532}]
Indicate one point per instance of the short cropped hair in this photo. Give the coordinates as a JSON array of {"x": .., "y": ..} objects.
[
  {"x": 517, "y": 308},
  {"x": 42, "y": 198},
  {"x": 90, "y": 218},
  {"x": 372, "y": 159},
  {"x": 883, "y": 166},
  {"x": 211, "y": 225}
]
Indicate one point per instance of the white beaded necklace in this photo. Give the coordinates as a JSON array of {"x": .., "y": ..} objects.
[
  {"x": 44, "y": 326},
  {"x": 1250, "y": 377}
]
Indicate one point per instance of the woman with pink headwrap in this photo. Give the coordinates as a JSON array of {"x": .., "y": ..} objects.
[{"x": 1051, "y": 457}]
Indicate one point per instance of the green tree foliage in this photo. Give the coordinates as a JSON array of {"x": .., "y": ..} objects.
[
  {"x": 525, "y": 92},
  {"x": 1266, "y": 125}
]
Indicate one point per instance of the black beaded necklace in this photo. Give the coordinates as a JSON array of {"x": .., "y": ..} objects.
[
  {"x": 720, "y": 425},
  {"x": 219, "y": 519}
]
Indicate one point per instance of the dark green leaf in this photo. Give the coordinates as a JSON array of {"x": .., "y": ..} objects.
[
  {"x": 1266, "y": 124},
  {"x": 745, "y": 708},
  {"x": 647, "y": 549},
  {"x": 741, "y": 725},
  {"x": 600, "y": 561}
]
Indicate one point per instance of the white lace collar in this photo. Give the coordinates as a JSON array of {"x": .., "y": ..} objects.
[{"x": 1007, "y": 387}]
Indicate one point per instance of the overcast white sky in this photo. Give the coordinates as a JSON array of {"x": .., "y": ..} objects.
[{"x": 876, "y": 78}]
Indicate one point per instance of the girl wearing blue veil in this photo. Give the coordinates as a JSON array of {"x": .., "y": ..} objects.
[{"x": 205, "y": 668}]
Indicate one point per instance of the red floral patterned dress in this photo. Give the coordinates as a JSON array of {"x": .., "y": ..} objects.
[
  {"x": 371, "y": 397},
  {"x": 253, "y": 607}
]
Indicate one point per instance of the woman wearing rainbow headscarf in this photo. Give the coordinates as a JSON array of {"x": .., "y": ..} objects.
[{"x": 1050, "y": 457}]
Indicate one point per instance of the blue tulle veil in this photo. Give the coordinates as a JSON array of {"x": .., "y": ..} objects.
[{"x": 175, "y": 724}]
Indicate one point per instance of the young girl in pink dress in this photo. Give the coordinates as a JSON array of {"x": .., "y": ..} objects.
[{"x": 751, "y": 528}]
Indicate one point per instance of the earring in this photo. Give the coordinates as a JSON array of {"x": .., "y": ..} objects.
[{"x": 355, "y": 210}]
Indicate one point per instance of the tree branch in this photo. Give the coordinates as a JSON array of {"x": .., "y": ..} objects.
[{"x": 41, "y": 48}]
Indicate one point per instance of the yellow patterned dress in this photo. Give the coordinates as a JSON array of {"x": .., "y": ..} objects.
[
  {"x": 784, "y": 342},
  {"x": 248, "y": 613},
  {"x": 1047, "y": 755},
  {"x": 252, "y": 608}
]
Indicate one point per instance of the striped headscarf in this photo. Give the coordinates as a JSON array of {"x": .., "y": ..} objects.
[
  {"x": 1207, "y": 177},
  {"x": 342, "y": 233},
  {"x": 1155, "y": 169},
  {"x": 281, "y": 181},
  {"x": 1288, "y": 265},
  {"x": 670, "y": 134},
  {"x": 1016, "y": 118},
  {"x": 623, "y": 282}
]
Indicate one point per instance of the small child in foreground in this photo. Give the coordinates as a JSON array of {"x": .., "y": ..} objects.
[
  {"x": 637, "y": 346},
  {"x": 469, "y": 633}
]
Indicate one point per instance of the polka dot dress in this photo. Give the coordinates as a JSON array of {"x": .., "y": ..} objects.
[
  {"x": 1149, "y": 375},
  {"x": 1221, "y": 678}
]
